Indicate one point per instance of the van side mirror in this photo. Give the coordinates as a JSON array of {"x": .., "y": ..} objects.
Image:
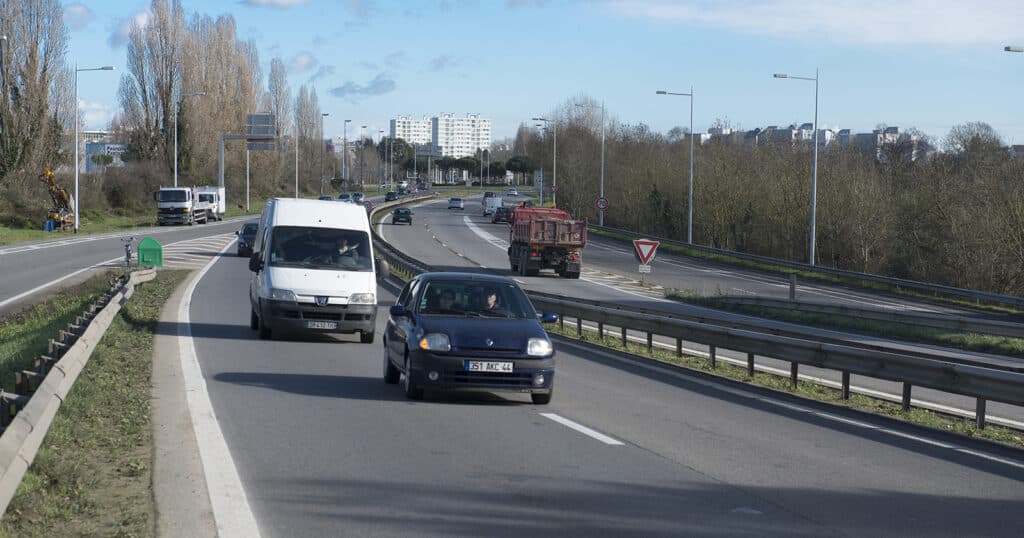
[
  {"x": 255, "y": 262},
  {"x": 549, "y": 317},
  {"x": 398, "y": 311}
]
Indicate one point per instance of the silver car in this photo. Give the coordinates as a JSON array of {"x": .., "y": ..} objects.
[{"x": 455, "y": 203}]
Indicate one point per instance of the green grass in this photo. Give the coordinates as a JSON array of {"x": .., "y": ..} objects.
[
  {"x": 811, "y": 275},
  {"x": 24, "y": 336},
  {"x": 804, "y": 389},
  {"x": 92, "y": 474},
  {"x": 92, "y": 222},
  {"x": 981, "y": 343}
]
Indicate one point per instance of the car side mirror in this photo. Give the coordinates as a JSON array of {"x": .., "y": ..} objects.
[
  {"x": 549, "y": 317},
  {"x": 255, "y": 262},
  {"x": 236, "y": 232},
  {"x": 398, "y": 311}
]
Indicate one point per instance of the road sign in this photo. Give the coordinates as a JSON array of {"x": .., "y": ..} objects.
[
  {"x": 645, "y": 268},
  {"x": 554, "y": 188},
  {"x": 259, "y": 146},
  {"x": 260, "y": 126},
  {"x": 645, "y": 250},
  {"x": 601, "y": 203}
]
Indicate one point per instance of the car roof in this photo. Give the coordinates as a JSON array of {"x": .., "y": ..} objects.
[{"x": 456, "y": 275}]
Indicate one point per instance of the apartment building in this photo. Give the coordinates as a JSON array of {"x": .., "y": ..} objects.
[
  {"x": 446, "y": 135},
  {"x": 412, "y": 130}
]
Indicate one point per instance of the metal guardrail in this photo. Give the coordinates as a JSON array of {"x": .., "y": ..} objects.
[
  {"x": 46, "y": 387},
  {"x": 923, "y": 319},
  {"x": 921, "y": 287},
  {"x": 972, "y": 380}
]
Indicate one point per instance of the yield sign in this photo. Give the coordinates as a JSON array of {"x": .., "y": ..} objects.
[{"x": 645, "y": 249}]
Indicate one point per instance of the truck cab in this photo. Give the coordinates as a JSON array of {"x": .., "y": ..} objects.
[{"x": 179, "y": 205}]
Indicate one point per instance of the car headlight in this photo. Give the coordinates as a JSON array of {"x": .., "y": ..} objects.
[
  {"x": 281, "y": 295},
  {"x": 435, "y": 342},
  {"x": 539, "y": 347},
  {"x": 362, "y": 298}
]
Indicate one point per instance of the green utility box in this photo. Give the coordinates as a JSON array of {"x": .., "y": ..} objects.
[{"x": 151, "y": 254}]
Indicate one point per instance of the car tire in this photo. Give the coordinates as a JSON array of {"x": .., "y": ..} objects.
[
  {"x": 254, "y": 320},
  {"x": 366, "y": 337},
  {"x": 391, "y": 374},
  {"x": 412, "y": 391},
  {"x": 542, "y": 399}
]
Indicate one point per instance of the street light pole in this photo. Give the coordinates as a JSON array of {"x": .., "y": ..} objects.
[
  {"x": 77, "y": 71},
  {"x": 814, "y": 173},
  {"x": 362, "y": 154},
  {"x": 344, "y": 152},
  {"x": 554, "y": 158},
  {"x": 600, "y": 213},
  {"x": 177, "y": 105},
  {"x": 689, "y": 190},
  {"x": 323, "y": 147}
]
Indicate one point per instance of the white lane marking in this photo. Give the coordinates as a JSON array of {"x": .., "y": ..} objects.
[
  {"x": 20, "y": 247},
  {"x": 664, "y": 370},
  {"x": 230, "y": 505},
  {"x": 582, "y": 429},
  {"x": 23, "y": 294},
  {"x": 746, "y": 510}
]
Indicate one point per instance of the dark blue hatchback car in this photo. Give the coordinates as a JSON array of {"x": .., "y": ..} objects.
[{"x": 468, "y": 332}]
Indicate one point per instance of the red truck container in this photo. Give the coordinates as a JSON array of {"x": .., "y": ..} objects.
[{"x": 543, "y": 238}]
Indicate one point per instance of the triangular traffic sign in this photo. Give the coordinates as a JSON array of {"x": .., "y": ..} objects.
[{"x": 645, "y": 250}]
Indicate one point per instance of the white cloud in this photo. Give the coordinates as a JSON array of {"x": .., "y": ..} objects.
[
  {"x": 873, "y": 22},
  {"x": 77, "y": 16},
  {"x": 95, "y": 115},
  {"x": 122, "y": 29},
  {"x": 324, "y": 71},
  {"x": 302, "y": 62},
  {"x": 273, "y": 3}
]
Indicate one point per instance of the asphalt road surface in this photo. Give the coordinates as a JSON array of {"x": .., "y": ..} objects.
[{"x": 324, "y": 448}]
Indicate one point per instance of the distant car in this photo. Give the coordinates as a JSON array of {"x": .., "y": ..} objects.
[
  {"x": 402, "y": 191},
  {"x": 489, "y": 194},
  {"x": 246, "y": 237},
  {"x": 325, "y": 197},
  {"x": 422, "y": 187},
  {"x": 391, "y": 196},
  {"x": 368, "y": 205},
  {"x": 402, "y": 214},
  {"x": 344, "y": 197},
  {"x": 383, "y": 186},
  {"x": 357, "y": 197},
  {"x": 468, "y": 332},
  {"x": 455, "y": 203},
  {"x": 502, "y": 214},
  {"x": 512, "y": 192}
]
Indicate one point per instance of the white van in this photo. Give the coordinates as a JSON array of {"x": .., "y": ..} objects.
[{"x": 313, "y": 270}]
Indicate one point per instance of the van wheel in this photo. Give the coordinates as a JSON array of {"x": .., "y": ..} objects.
[
  {"x": 265, "y": 333},
  {"x": 366, "y": 337}
]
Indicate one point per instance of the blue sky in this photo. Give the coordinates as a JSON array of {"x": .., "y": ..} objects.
[{"x": 928, "y": 64}]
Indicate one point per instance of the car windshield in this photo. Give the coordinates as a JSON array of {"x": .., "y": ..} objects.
[
  {"x": 402, "y": 211},
  {"x": 320, "y": 248},
  {"x": 472, "y": 298},
  {"x": 249, "y": 229}
]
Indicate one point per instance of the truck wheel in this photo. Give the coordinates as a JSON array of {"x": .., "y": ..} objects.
[
  {"x": 572, "y": 274},
  {"x": 522, "y": 264}
]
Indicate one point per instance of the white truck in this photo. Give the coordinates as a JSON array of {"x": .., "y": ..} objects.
[
  {"x": 214, "y": 196},
  {"x": 180, "y": 205},
  {"x": 491, "y": 204}
]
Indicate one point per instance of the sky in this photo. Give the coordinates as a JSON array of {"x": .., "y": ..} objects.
[{"x": 927, "y": 64}]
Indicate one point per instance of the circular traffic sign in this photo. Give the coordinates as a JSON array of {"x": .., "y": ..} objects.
[
  {"x": 601, "y": 203},
  {"x": 554, "y": 188}
]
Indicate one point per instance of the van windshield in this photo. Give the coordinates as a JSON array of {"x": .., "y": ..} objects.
[{"x": 320, "y": 248}]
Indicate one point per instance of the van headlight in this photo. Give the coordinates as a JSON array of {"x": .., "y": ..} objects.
[
  {"x": 362, "y": 298},
  {"x": 435, "y": 342},
  {"x": 277, "y": 294},
  {"x": 539, "y": 347}
]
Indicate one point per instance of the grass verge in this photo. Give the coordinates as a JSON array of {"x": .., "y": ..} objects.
[
  {"x": 810, "y": 275},
  {"x": 804, "y": 389},
  {"x": 981, "y": 343},
  {"x": 93, "y": 222},
  {"x": 92, "y": 473}
]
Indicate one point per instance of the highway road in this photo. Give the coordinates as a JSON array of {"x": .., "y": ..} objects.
[
  {"x": 324, "y": 448},
  {"x": 465, "y": 240}
]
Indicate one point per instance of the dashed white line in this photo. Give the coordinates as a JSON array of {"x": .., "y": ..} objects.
[{"x": 582, "y": 429}]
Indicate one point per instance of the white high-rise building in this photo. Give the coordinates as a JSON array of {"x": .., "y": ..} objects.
[
  {"x": 411, "y": 130},
  {"x": 460, "y": 137}
]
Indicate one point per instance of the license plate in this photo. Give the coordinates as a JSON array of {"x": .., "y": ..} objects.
[
  {"x": 485, "y": 366},
  {"x": 330, "y": 325}
]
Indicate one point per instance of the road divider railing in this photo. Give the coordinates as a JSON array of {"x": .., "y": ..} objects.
[
  {"x": 933, "y": 320},
  {"x": 976, "y": 376},
  {"x": 923, "y": 288},
  {"x": 25, "y": 417}
]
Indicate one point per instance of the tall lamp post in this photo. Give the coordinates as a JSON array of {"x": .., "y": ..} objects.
[
  {"x": 323, "y": 147},
  {"x": 362, "y": 149},
  {"x": 814, "y": 173},
  {"x": 554, "y": 158},
  {"x": 689, "y": 190},
  {"x": 380, "y": 165},
  {"x": 77, "y": 71},
  {"x": 177, "y": 104},
  {"x": 344, "y": 152},
  {"x": 600, "y": 214}
]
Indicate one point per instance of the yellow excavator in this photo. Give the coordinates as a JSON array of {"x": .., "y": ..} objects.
[{"x": 62, "y": 212}]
